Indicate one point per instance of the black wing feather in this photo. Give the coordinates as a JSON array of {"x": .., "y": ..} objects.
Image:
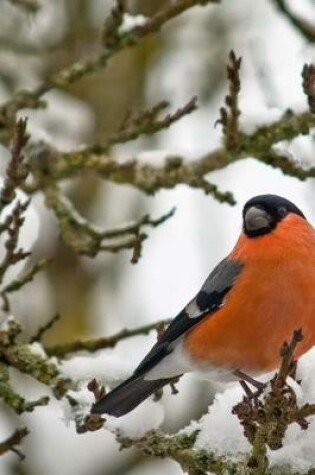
[
  {"x": 128, "y": 395},
  {"x": 207, "y": 301},
  {"x": 136, "y": 389}
]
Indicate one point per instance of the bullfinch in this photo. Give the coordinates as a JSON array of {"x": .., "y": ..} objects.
[{"x": 251, "y": 303}]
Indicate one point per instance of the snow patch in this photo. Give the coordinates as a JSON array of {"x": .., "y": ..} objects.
[
  {"x": 145, "y": 417},
  {"x": 83, "y": 401},
  {"x": 37, "y": 349},
  {"x": 256, "y": 116},
  {"x": 221, "y": 432},
  {"x": 130, "y": 22}
]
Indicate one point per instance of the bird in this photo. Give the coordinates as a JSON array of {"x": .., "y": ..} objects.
[{"x": 251, "y": 302}]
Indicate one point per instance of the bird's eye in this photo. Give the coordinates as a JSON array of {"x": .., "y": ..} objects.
[{"x": 282, "y": 211}]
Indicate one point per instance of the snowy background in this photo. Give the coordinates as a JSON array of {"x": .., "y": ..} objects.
[{"x": 101, "y": 296}]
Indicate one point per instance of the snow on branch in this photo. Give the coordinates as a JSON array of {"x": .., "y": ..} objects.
[
  {"x": 264, "y": 414},
  {"x": 308, "y": 75}
]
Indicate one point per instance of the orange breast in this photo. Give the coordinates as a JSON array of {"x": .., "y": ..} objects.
[{"x": 273, "y": 296}]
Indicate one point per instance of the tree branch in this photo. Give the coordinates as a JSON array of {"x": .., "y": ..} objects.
[
  {"x": 308, "y": 75},
  {"x": 179, "y": 448},
  {"x": 13, "y": 399},
  {"x": 42, "y": 330},
  {"x": 30, "y": 6},
  {"x": 87, "y": 239},
  {"x": 63, "y": 350},
  {"x": 49, "y": 165},
  {"x": 229, "y": 115},
  {"x": 22, "y": 357},
  {"x": 303, "y": 26},
  {"x": 266, "y": 417},
  {"x": 11, "y": 442},
  {"x": 71, "y": 74},
  {"x": 147, "y": 123},
  {"x": 20, "y": 282},
  {"x": 17, "y": 171}
]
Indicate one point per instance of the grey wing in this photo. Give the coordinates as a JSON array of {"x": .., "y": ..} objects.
[{"x": 209, "y": 299}]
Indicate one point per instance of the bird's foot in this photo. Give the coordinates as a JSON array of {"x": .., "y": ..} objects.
[
  {"x": 159, "y": 393},
  {"x": 173, "y": 383}
]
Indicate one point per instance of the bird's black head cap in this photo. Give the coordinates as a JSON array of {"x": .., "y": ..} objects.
[{"x": 262, "y": 213}]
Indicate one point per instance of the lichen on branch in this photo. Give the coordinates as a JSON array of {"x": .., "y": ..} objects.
[{"x": 84, "y": 238}]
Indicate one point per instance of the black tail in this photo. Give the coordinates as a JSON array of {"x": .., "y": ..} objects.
[{"x": 128, "y": 395}]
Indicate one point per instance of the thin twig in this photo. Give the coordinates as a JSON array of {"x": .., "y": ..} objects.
[
  {"x": 13, "y": 253},
  {"x": 308, "y": 75},
  {"x": 148, "y": 123},
  {"x": 16, "y": 172},
  {"x": 63, "y": 350},
  {"x": 180, "y": 448},
  {"x": 30, "y": 6},
  {"x": 47, "y": 162},
  {"x": 110, "y": 33},
  {"x": 42, "y": 330},
  {"x": 287, "y": 358},
  {"x": 71, "y": 74},
  {"x": 87, "y": 239},
  {"x": 229, "y": 115},
  {"x": 20, "y": 282},
  {"x": 303, "y": 26},
  {"x": 13, "y": 441}
]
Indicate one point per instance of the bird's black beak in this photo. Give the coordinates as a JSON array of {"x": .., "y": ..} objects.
[{"x": 256, "y": 220}]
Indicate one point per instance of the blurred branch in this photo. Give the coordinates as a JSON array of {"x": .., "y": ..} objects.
[
  {"x": 145, "y": 123},
  {"x": 110, "y": 33},
  {"x": 49, "y": 165},
  {"x": 12, "y": 223},
  {"x": 18, "y": 283},
  {"x": 31, "y": 6},
  {"x": 229, "y": 115},
  {"x": 65, "y": 77},
  {"x": 63, "y": 350},
  {"x": 181, "y": 449},
  {"x": 303, "y": 26},
  {"x": 86, "y": 239},
  {"x": 42, "y": 330},
  {"x": 308, "y": 75},
  {"x": 287, "y": 166},
  {"x": 11, "y": 442},
  {"x": 16, "y": 172}
]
